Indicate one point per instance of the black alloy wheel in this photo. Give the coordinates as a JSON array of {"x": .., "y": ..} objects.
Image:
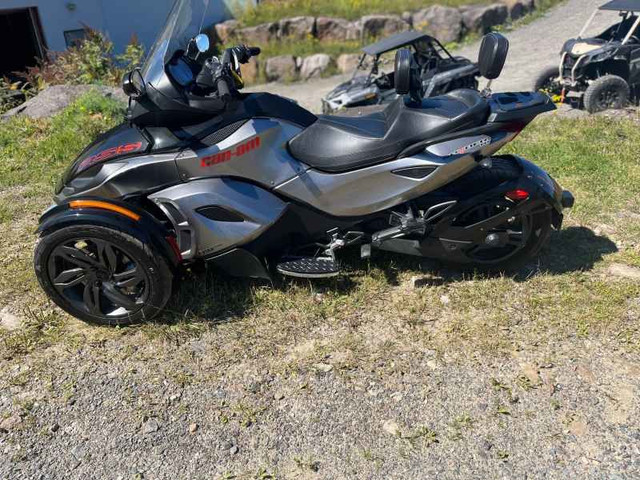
[
  {"x": 510, "y": 244},
  {"x": 97, "y": 276},
  {"x": 102, "y": 275}
]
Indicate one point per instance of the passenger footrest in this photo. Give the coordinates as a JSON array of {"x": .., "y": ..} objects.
[{"x": 309, "y": 267}]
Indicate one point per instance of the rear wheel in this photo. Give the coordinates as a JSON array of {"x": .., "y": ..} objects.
[
  {"x": 608, "y": 92},
  {"x": 513, "y": 243},
  {"x": 101, "y": 275},
  {"x": 548, "y": 82}
]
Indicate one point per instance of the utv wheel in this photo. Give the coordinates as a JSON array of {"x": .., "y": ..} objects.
[
  {"x": 608, "y": 92},
  {"x": 547, "y": 82},
  {"x": 101, "y": 275}
]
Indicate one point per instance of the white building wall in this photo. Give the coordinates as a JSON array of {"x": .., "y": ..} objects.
[{"x": 119, "y": 19}]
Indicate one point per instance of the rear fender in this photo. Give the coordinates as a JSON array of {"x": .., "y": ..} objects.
[{"x": 146, "y": 228}]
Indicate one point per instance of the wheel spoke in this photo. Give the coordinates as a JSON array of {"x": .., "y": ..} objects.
[
  {"x": 70, "y": 278},
  {"x": 117, "y": 297},
  {"x": 107, "y": 256},
  {"x": 76, "y": 256},
  {"x": 91, "y": 298},
  {"x": 515, "y": 239},
  {"x": 128, "y": 279}
]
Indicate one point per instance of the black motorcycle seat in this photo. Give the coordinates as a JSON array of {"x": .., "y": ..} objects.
[{"x": 338, "y": 144}]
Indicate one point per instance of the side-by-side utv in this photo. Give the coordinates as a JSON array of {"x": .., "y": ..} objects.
[
  {"x": 440, "y": 73},
  {"x": 600, "y": 72}
]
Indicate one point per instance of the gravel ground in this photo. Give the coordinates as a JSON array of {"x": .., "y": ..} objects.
[
  {"x": 533, "y": 47},
  {"x": 121, "y": 415}
]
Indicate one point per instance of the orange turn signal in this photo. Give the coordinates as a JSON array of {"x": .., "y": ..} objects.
[{"x": 104, "y": 206}]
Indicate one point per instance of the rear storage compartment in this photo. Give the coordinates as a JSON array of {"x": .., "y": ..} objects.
[{"x": 507, "y": 107}]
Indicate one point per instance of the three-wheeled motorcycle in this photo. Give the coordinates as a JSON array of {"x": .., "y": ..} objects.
[{"x": 258, "y": 186}]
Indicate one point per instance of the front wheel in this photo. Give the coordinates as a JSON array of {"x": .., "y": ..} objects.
[
  {"x": 608, "y": 92},
  {"x": 101, "y": 275},
  {"x": 548, "y": 82}
]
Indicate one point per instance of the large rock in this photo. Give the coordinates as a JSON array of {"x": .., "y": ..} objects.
[
  {"x": 56, "y": 98},
  {"x": 297, "y": 28},
  {"x": 337, "y": 29},
  {"x": 519, "y": 8},
  {"x": 226, "y": 31},
  {"x": 315, "y": 65},
  {"x": 374, "y": 26},
  {"x": 258, "y": 35},
  {"x": 444, "y": 23},
  {"x": 250, "y": 71},
  {"x": 480, "y": 19},
  {"x": 348, "y": 62},
  {"x": 283, "y": 67}
]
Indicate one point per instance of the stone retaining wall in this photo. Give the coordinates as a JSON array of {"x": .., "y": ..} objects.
[{"x": 447, "y": 24}]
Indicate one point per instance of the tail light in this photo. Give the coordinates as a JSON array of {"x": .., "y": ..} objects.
[{"x": 517, "y": 195}]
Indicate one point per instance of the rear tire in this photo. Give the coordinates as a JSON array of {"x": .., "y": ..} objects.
[
  {"x": 101, "y": 275},
  {"x": 503, "y": 169},
  {"x": 607, "y": 92},
  {"x": 547, "y": 82}
]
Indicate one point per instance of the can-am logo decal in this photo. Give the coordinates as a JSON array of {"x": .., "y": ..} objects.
[
  {"x": 477, "y": 145},
  {"x": 227, "y": 155},
  {"x": 110, "y": 153}
]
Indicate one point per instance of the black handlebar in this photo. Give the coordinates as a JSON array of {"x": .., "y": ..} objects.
[
  {"x": 224, "y": 90},
  {"x": 219, "y": 75}
]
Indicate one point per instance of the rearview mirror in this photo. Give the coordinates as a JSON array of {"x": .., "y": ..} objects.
[
  {"x": 133, "y": 84},
  {"x": 493, "y": 54},
  {"x": 202, "y": 43}
]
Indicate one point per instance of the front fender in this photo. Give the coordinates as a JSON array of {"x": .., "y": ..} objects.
[{"x": 146, "y": 228}]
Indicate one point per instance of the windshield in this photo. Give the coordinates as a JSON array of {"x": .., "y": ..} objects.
[{"x": 184, "y": 23}]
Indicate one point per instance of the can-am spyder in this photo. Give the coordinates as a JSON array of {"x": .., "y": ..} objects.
[{"x": 256, "y": 185}]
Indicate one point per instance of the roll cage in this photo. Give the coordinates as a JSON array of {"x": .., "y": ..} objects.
[
  {"x": 404, "y": 39},
  {"x": 625, "y": 29}
]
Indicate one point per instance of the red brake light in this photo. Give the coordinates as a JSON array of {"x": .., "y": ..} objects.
[{"x": 517, "y": 195}]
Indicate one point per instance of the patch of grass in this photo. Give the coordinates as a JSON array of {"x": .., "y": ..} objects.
[
  {"x": 40, "y": 329},
  {"x": 594, "y": 157},
  {"x": 36, "y": 152}
]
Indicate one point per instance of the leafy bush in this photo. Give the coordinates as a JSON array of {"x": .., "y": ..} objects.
[
  {"x": 11, "y": 94},
  {"x": 92, "y": 61}
]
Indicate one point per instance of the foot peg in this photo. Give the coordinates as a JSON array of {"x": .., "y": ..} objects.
[{"x": 309, "y": 267}]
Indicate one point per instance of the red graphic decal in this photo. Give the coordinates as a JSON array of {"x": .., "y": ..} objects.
[
  {"x": 227, "y": 155},
  {"x": 110, "y": 153}
]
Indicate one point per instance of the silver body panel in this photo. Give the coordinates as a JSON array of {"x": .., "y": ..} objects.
[
  {"x": 257, "y": 151},
  {"x": 259, "y": 208},
  {"x": 120, "y": 178},
  {"x": 372, "y": 189}
]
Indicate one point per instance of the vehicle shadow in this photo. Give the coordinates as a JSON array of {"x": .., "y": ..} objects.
[
  {"x": 573, "y": 249},
  {"x": 217, "y": 298}
]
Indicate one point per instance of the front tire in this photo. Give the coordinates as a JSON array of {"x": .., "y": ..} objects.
[
  {"x": 101, "y": 275},
  {"x": 607, "y": 92},
  {"x": 547, "y": 82}
]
